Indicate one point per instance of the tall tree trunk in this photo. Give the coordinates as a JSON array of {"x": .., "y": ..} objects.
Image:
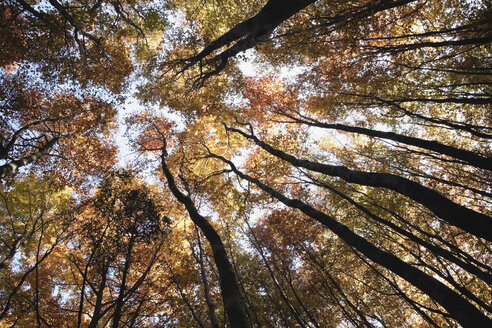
[
  {"x": 256, "y": 29},
  {"x": 15, "y": 165},
  {"x": 206, "y": 289},
  {"x": 121, "y": 296},
  {"x": 183, "y": 296},
  {"x": 461, "y": 154},
  {"x": 230, "y": 289},
  {"x": 98, "y": 312},
  {"x": 471, "y": 221},
  {"x": 268, "y": 18},
  {"x": 458, "y": 308},
  {"x": 444, "y": 253}
]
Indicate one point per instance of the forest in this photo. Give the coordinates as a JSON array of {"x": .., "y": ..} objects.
[{"x": 233, "y": 163}]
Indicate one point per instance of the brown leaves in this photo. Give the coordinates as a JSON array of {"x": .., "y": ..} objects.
[
  {"x": 12, "y": 39},
  {"x": 154, "y": 131},
  {"x": 269, "y": 98}
]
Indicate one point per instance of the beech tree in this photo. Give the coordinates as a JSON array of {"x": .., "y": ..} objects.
[{"x": 289, "y": 163}]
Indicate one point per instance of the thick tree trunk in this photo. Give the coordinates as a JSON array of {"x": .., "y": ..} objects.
[
  {"x": 268, "y": 18},
  {"x": 230, "y": 289},
  {"x": 458, "y": 308},
  {"x": 255, "y": 30},
  {"x": 471, "y": 221}
]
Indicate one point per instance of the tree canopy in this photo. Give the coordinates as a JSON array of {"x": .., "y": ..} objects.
[{"x": 245, "y": 163}]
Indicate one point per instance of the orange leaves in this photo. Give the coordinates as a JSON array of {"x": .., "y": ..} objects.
[
  {"x": 269, "y": 98},
  {"x": 154, "y": 132}
]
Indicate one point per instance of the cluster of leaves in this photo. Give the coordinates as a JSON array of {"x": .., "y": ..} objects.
[{"x": 352, "y": 191}]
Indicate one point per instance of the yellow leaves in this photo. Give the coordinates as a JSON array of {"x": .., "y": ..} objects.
[
  {"x": 328, "y": 143},
  {"x": 31, "y": 195},
  {"x": 212, "y": 18}
]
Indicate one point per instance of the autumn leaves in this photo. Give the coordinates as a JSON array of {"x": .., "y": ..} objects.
[{"x": 355, "y": 193}]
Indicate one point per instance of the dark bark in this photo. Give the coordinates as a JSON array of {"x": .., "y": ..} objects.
[
  {"x": 258, "y": 28},
  {"x": 121, "y": 295},
  {"x": 472, "y": 129},
  {"x": 471, "y": 221},
  {"x": 15, "y": 290},
  {"x": 183, "y": 296},
  {"x": 336, "y": 289},
  {"x": 450, "y": 43},
  {"x": 438, "y": 251},
  {"x": 250, "y": 307},
  {"x": 230, "y": 289},
  {"x": 415, "y": 305},
  {"x": 252, "y": 30},
  {"x": 97, "y": 314},
  {"x": 15, "y": 165},
  {"x": 295, "y": 313},
  {"x": 454, "y": 100},
  {"x": 461, "y": 154},
  {"x": 84, "y": 275},
  {"x": 458, "y": 308},
  {"x": 435, "y": 236}
]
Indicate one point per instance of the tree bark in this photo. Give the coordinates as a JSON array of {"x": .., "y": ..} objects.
[
  {"x": 458, "y": 308},
  {"x": 471, "y": 221},
  {"x": 444, "y": 253},
  {"x": 461, "y": 154},
  {"x": 15, "y": 165},
  {"x": 230, "y": 289}
]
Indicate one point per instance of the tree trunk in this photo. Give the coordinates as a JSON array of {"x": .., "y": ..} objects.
[
  {"x": 471, "y": 221},
  {"x": 461, "y": 154},
  {"x": 458, "y": 308},
  {"x": 15, "y": 165},
  {"x": 230, "y": 289}
]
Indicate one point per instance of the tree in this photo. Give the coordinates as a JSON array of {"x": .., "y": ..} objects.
[
  {"x": 32, "y": 232},
  {"x": 120, "y": 241},
  {"x": 355, "y": 100},
  {"x": 344, "y": 183}
]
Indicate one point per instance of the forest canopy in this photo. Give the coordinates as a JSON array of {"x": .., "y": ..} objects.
[{"x": 233, "y": 163}]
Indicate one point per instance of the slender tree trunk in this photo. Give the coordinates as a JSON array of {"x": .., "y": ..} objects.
[
  {"x": 444, "y": 253},
  {"x": 336, "y": 287},
  {"x": 206, "y": 289},
  {"x": 14, "y": 291},
  {"x": 15, "y": 165},
  {"x": 472, "y": 129},
  {"x": 97, "y": 313},
  {"x": 280, "y": 290},
  {"x": 461, "y": 154},
  {"x": 121, "y": 296},
  {"x": 183, "y": 296}
]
